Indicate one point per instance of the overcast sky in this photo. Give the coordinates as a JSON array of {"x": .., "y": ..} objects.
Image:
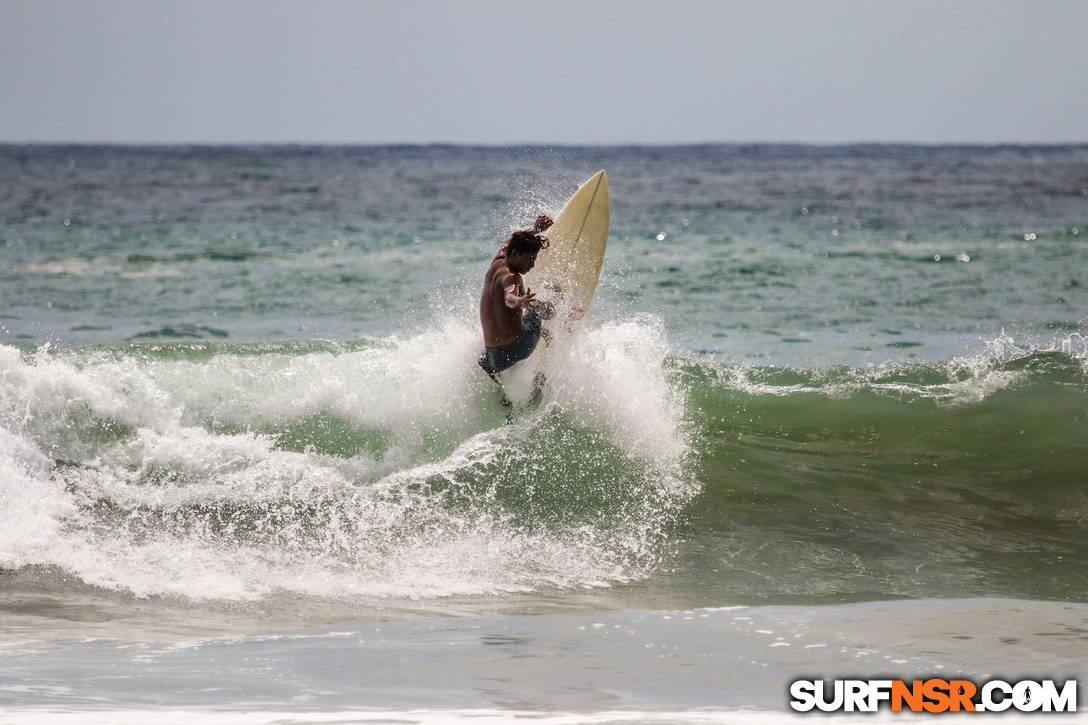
[{"x": 505, "y": 71}]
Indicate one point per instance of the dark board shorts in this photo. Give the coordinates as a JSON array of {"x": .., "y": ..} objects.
[{"x": 499, "y": 358}]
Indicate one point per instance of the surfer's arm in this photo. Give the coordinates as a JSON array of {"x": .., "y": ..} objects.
[{"x": 511, "y": 297}]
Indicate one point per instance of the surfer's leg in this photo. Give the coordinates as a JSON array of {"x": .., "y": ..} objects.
[
  {"x": 538, "y": 389},
  {"x": 487, "y": 364}
]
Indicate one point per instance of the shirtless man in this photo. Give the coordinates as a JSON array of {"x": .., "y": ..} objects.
[{"x": 509, "y": 335}]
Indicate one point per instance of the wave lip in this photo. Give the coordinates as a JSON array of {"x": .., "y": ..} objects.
[{"x": 1002, "y": 365}]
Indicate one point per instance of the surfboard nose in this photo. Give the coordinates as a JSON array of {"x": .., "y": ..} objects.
[{"x": 598, "y": 181}]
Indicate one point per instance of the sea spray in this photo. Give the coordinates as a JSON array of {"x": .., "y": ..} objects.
[{"x": 380, "y": 468}]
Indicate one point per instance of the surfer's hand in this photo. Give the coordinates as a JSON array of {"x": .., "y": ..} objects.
[{"x": 528, "y": 300}]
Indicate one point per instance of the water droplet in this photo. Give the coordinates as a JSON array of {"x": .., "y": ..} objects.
[
  {"x": 1029, "y": 236},
  {"x": 336, "y": 242},
  {"x": 963, "y": 257},
  {"x": 936, "y": 258},
  {"x": 1076, "y": 231},
  {"x": 685, "y": 222},
  {"x": 67, "y": 221},
  {"x": 661, "y": 236},
  {"x": 804, "y": 211},
  {"x": 834, "y": 232}
]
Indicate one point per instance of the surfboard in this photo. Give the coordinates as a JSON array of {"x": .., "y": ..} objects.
[
  {"x": 566, "y": 273},
  {"x": 565, "y": 276}
]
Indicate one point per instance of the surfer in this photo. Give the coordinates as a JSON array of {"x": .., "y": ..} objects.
[{"x": 509, "y": 312}]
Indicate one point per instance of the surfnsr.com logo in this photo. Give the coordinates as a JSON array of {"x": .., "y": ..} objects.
[{"x": 933, "y": 695}]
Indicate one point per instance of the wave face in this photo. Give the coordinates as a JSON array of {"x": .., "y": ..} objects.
[
  {"x": 966, "y": 477},
  {"x": 377, "y": 468},
  {"x": 382, "y": 468}
]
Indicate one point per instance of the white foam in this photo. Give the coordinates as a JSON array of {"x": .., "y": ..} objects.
[
  {"x": 162, "y": 476},
  {"x": 613, "y": 378},
  {"x": 967, "y": 380},
  {"x": 32, "y": 505}
]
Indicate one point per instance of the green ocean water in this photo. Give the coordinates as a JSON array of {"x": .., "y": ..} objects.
[{"x": 238, "y": 391}]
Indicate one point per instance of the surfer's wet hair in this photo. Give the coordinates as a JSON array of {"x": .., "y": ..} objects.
[{"x": 526, "y": 241}]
